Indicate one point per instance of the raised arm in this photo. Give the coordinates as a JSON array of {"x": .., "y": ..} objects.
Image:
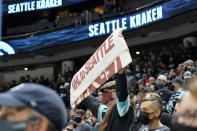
[{"x": 122, "y": 100}]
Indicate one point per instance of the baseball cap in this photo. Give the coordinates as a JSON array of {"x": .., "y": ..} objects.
[
  {"x": 162, "y": 77},
  {"x": 187, "y": 74},
  {"x": 193, "y": 70},
  {"x": 177, "y": 80},
  {"x": 189, "y": 62},
  {"x": 38, "y": 97},
  {"x": 108, "y": 86}
]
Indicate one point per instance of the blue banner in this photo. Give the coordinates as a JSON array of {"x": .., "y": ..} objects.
[{"x": 129, "y": 22}]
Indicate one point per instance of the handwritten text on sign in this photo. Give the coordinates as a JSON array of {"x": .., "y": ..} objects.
[{"x": 109, "y": 58}]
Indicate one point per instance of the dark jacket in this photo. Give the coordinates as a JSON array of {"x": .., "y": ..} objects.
[{"x": 122, "y": 115}]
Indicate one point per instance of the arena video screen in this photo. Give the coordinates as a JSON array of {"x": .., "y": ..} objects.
[
  {"x": 129, "y": 22},
  {"x": 35, "y": 5}
]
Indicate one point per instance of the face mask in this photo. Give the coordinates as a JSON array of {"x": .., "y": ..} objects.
[
  {"x": 160, "y": 85},
  {"x": 13, "y": 125},
  {"x": 77, "y": 119},
  {"x": 179, "y": 127},
  {"x": 144, "y": 118}
]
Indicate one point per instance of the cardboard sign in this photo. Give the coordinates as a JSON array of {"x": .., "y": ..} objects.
[{"x": 108, "y": 59}]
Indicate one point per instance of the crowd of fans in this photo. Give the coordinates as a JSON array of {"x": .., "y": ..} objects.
[{"x": 147, "y": 94}]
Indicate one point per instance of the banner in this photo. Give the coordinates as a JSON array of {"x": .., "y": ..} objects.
[{"x": 108, "y": 59}]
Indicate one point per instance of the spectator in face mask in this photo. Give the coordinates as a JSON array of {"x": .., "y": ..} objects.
[
  {"x": 120, "y": 114},
  {"x": 140, "y": 97},
  {"x": 150, "y": 112},
  {"x": 186, "y": 116},
  {"x": 178, "y": 94},
  {"x": 107, "y": 93},
  {"x": 30, "y": 107},
  {"x": 164, "y": 93},
  {"x": 80, "y": 119}
]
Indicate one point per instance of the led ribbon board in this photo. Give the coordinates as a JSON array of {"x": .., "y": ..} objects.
[
  {"x": 35, "y": 5},
  {"x": 127, "y": 23}
]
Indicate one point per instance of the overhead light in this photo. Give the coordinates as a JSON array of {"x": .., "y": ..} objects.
[
  {"x": 25, "y": 68},
  {"x": 137, "y": 52}
]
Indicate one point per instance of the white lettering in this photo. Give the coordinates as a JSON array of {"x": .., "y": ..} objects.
[
  {"x": 102, "y": 29},
  {"x": 33, "y": 5},
  {"x": 148, "y": 15},
  {"x": 11, "y": 9},
  {"x": 117, "y": 24},
  {"x": 107, "y": 24},
  {"x": 113, "y": 22},
  {"x": 47, "y": 4},
  {"x": 38, "y": 5},
  {"x": 91, "y": 30},
  {"x": 96, "y": 29},
  {"x": 29, "y": 7},
  {"x": 43, "y": 3},
  {"x": 22, "y": 4},
  {"x": 124, "y": 23},
  {"x": 17, "y": 8},
  {"x": 53, "y": 3},
  {"x": 154, "y": 14},
  {"x": 159, "y": 12},
  {"x": 143, "y": 18},
  {"x": 59, "y": 3},
  {"x": 138, "y": 20},
  {"x": 25, "y": 4},
  {"x": 132, "y": 22}
]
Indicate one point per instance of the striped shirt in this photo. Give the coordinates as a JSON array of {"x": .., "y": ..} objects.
[{"x": 173, "y": 99}]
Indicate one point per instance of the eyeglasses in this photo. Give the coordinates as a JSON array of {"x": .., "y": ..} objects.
[{"x": 150, "y": 99}]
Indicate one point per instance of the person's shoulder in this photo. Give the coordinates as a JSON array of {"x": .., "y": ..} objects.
[
  {"x": 169, "y": 91},
  {"x": 164, "y": 128},
  {"x": 87, "y": 126},
  {"x": 158, "y": 91},
  {"x": 84, "y": 127}
]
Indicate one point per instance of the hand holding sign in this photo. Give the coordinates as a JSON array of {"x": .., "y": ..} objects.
[{"x": 109, "y": 58}]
